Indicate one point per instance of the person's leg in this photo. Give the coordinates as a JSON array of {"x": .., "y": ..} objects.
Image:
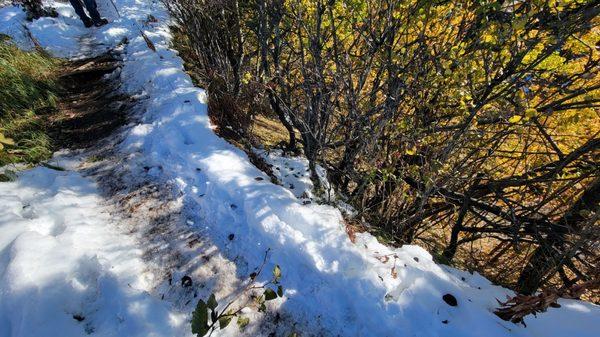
[
  {"x": 78, "y": 6},
  {"x": 92, "y": 8}
]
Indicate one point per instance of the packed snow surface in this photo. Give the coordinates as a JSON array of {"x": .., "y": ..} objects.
[
  {"x": 67, "y": 269},
  {"x": 62, "y": 256}
]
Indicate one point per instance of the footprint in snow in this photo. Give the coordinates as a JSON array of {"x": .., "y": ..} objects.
[{"x": 29, "y": 212}]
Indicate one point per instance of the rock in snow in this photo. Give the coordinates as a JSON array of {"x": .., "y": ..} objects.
[{"x": 450, "y": 300}]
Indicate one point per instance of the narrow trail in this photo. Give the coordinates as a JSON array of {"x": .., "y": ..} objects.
[
  {"x": 70, "y": 248},
  {"x": 92, "y": 113},
  {"x": 90, "y": 106}
]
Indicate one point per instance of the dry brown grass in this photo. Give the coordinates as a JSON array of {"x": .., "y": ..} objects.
[{"x": 268, "y": 131}]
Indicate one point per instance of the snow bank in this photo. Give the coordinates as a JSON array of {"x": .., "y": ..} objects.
[
  {"x": 351, "y": 289},
  {"x": 66, "y": 269},
  {"x": 11, "y": 24},
  {"x": 293, "y": 173}
]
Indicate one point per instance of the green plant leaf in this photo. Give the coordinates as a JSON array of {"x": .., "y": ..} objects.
[
  {"x": 224, "y": 321},
  {"x": 530, "y": 113},
  {"x": 242, "y": 322},
  {"x": 200, "y": 319},
  {"x": 212, "y": 302},
  {"x": 270, "y": 294},
  {"x": 280, "y": 291}
]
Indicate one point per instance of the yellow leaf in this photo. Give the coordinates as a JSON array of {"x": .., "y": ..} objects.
[
  {"x": 247, "y": 77},
  {"x": 531, "y": 112},
  {"x": 7, "y": 141},
  {"x": 412, "y": 151},
  {"x": 488, "y": 38},
  {"x": 515, "y": 119}
]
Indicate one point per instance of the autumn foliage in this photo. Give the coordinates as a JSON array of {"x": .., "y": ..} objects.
[{"x": 469, "y": 127}]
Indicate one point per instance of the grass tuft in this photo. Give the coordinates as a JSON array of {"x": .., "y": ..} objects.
[{"x": 28, "y": 92}]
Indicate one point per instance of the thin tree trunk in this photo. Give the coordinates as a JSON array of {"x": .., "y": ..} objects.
[{"x": 548, "y": 256}]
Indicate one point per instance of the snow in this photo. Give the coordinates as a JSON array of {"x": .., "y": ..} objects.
[
  {"x": 11, "y": 20},
  {"x": 65, "y": 253},
  {"x": 293, "y": 173},
  {"x": 63, "y": 256}
]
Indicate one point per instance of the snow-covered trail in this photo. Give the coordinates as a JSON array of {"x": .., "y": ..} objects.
[
  {"x": 333, "y": 286},
  {"x": 67, "y": 268}
]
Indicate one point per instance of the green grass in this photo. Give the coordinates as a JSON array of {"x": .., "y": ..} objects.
[{"x": 28, "y": 94}]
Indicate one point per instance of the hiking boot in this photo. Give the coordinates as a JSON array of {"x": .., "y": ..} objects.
[
  {"x": 101, "y": 23},
  {"x": 87, "y": 22}
]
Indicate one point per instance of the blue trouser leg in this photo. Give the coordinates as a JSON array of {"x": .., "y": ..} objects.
[
  {"x": 92, "y": 8},
  {"x": 78, "y": 6}
]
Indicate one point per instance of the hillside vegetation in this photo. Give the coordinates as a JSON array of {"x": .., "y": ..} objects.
[
  {"x": 467, "y": 127},
  {"x": 28, "y": 93}
]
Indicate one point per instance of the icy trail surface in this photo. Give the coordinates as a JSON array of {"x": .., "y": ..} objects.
[{"x": 62, "y": 256}]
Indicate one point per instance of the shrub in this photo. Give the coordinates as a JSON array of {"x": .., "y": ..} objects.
[
  {"x": 208, "y": 316},
  {"x": 469, "y": 127}
]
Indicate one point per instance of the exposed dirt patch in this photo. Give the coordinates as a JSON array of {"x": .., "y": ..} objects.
[{"x": 90, "y": 107}]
